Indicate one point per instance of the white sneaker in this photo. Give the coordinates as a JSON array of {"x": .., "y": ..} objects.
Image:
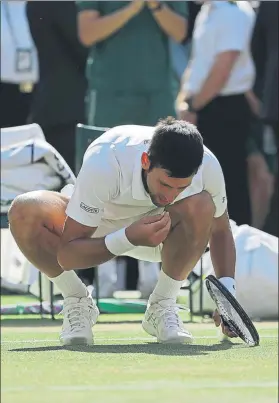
[
  {"x": 161, "y": 320},
  {"x": 80, "y": 314}
]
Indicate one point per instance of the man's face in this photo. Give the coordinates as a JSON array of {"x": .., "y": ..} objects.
[{"x": 163, "y": 189}]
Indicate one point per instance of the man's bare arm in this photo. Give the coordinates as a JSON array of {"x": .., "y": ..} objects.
[
  {"x": 93, "y": 28},
  {"x": 77, "y": 248},
  {"x": 222, "y": 247},
  {"x": 216, "y": 79},
  {"x": 172, "y": 23}
]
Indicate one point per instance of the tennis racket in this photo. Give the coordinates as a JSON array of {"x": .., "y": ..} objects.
[{"x": 232, "y": 314}]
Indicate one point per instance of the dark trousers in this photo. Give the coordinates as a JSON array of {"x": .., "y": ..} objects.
[
  {"x": 14, "y": 105},
  {"x": 271, "y": 224},
  {"x": 62, "y": 138},
  {"x": 224, "y": 124},
  {"x": 275, "y": 129}
]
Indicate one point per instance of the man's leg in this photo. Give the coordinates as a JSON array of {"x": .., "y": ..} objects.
[
  {"x": 36, "y": 223},
  {"x": 191, "y": 226}
]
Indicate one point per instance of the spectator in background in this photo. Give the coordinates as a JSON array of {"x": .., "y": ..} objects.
[
  {"x": 129, "y": 71},
  {"x": 194, "y": 9},
  {"x": 58, "y": 102},
  {"x": 262, "y": 166},
  {"x": 130, "y": 76},
  {"x": 213, "y": 96},
  {"x": 180, "y": 52},
  {"x": 19, "y": 66},
  {"x": 265, "y": 53}
]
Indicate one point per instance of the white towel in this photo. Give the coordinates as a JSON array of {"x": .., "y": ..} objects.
[{"x": 31, "y": 165}]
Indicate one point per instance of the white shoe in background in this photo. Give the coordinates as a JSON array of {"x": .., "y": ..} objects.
[
  {"x": 80, "y": 314},
  {"x": 161, "y": 320}
]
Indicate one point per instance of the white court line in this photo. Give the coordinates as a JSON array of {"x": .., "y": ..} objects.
[
  {"x": 139, "y": 386},
  {"x": 117, "y": 339}
]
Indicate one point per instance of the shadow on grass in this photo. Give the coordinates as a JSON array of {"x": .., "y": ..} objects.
[
  {"x": 148, "y": 348},
  {"x": 32, "y": 322}
]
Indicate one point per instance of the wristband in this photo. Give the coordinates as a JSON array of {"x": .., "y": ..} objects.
[
  {"x": 229, "y": 283},
  {"x": 190, "y": 105},
  {"x": 118, "y": 243}
]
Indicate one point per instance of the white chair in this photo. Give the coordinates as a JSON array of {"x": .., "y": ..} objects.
[
  {"x": 15, "y": 135},
  {"x": 12, "y": 136}
]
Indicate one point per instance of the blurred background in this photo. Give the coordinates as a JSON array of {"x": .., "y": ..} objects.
[{"x": 108, "y": 63}]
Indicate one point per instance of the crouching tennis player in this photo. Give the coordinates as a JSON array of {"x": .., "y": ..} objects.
[{"x": 152, "y": 193}]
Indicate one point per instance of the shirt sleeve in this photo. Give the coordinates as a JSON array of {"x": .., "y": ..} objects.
[
  {"x": 214, "y": 184},
  {"x": 180, "y": 7},
  {"x": 87, "y": 5},
  {"x": 233, "y": 33},
  {"x": 96, "y": 184}
]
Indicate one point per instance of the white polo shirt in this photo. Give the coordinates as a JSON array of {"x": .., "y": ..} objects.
[
  {"x": 220, "y": 27},
  {"x": 109, "y": 192}
]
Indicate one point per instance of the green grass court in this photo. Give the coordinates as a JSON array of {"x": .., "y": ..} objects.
[{"x": 127, "y": 366}]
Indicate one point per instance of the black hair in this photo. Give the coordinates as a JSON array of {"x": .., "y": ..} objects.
[{"x": 177, "y": 147}]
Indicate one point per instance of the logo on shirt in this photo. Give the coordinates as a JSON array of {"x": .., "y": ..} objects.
[
  {"x": 223, "y": 199},
  {"x": 88, "y": 209}
]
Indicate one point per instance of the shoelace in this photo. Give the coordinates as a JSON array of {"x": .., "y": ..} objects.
[
  {"x": 75, "y": 317},
  {"x": 170, "y": 316}
]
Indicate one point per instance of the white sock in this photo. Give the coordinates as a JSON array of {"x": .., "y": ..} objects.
[
  {"x": 70, "y": 285},
  {"x": 166, "y": 288}
]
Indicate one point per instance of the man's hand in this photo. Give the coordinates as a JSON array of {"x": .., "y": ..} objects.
[
  {"x": 152, "y": 4},
  {"x": 184, "y": 114},
  {"x": 217, "y": 320},
  {"x": 172, "y": 23},
  {"x": 136, "y": 6},
  {"x": 254, "y": 103},
  {"x": 149, "y": 231}
]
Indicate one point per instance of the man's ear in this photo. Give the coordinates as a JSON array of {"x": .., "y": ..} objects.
[{"x": 145, "y": 161}]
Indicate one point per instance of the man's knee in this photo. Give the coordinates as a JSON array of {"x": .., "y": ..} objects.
[
  {"x": 24, "y": 207},
  {"x": 200, "y": 205},
  {"x": 30, "y": 211}
]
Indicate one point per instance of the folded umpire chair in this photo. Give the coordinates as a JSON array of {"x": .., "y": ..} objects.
[{"x": 85, "y": 135}]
